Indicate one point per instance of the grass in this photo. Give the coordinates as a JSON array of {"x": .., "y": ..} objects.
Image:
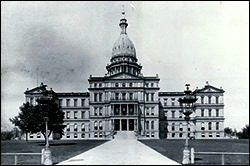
[
  {"x": 61, "y": 150},
  {"x": 173, "y": 149}
]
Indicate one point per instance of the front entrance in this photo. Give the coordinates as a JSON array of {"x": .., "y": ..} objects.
[
  {"x": 131, "y": 124},
  {"x": 117, "y": 124},
  {"x": 124, "y": 124}
]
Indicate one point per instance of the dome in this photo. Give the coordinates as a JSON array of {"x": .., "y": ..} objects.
[{"x": 123, "y": 46}]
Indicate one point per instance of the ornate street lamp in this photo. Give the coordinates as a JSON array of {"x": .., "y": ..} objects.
[
  {"x": 187, "y": 106},
  {"x": 43, "y": 101}
]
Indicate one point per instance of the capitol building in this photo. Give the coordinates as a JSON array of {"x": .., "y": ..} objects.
[{"x": 126, "y": 100}]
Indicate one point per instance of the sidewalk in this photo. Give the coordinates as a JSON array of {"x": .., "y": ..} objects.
[{"x": 123, "y": 150}]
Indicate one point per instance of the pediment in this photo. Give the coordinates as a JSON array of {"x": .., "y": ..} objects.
[
  {"x": 123, "y": 76},
  {"x": 35, "y": 90},
  {"x": 209, "y": 88}
]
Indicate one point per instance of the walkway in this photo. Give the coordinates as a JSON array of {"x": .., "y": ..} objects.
[{"x": 123, "y": 150}]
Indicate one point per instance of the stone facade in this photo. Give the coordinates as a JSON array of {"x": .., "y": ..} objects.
[{"x": 124, "y": 99}]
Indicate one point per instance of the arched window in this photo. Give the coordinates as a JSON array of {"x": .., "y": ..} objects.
[
  {"x": 95, "y": 125},
  {"x": 100, "y": 125},
  {"x": 147, "y": 125},
  {"x": 209, "y": 125},
  {"x": 202, "y": 126},
  {"x": 75, "y": 127},
  {"x": 217, "y": 125},
  {"x": 152, "y": 125},
  {"x": 173, "y": 127},
  {"x": 68, "y": 127},
  {"x": 180, "y": 128},
  {"x": 83, "y": 127}
]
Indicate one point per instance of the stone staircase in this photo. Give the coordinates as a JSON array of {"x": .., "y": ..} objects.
[{"x": 125, "y": 135}]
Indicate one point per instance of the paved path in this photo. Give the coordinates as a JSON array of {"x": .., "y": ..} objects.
[{"x": 123, "y": 150}]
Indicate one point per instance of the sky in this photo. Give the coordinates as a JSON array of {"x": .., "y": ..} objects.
[{"x": 62, "y": 43}]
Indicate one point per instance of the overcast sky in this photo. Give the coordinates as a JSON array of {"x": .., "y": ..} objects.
[{"x": 62, "y": 43}]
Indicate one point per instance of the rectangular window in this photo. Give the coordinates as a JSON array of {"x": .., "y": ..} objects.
[
  {"x": 38, "y": 135},
  {"x": 173, "y": 135},
  {"x": 100, "y": 96},
  {"x": 68, "y": 114},
  {"x": 210, "y": 134},
  {"x": 68, "y": 136},
  {"x": 31, "y": 135},
  {"x": 75, "y": 135},
  {"x": 152, "y": 84},
  {"x": 130, "y": 96},
  {"x": 100, "y": 125},
  {"x": 202, "y": 99},
  {"x": 180, "y": 135},
  {"x": 116, "y": 85},
  {"x": 217, "y": 100},
  {"x": 75, "y": 127},
  {"x": 202, "y": 113},
  {"x": 130, "y": 84},
  {"x": 217, "y": 113},
  {"x": 68, "y": 102},
  {"x": 180, "y": 128},
  {"x": 117, "y": 96},
  {"x": 147, "y": 97},
  {"x": 95, "y": 85},
  {"x": 217, "y": 134},
  {"x": 100, "y": 135},
  {"x": 100, "y": 85},
  {"x": 152, "y": 134},
  {"x": 95, "y": 134},
  {"x": 123, "y": 96},
  {"x": 83, "y": 102},
  {"x": 146, "y": 84},
  {"x": 95, "y": 97},
  {"x": 75, "y": 114},
  {"x": 202, "y": 134},
  {"x": 75, "y": 102},
  {"x": 152, "y": 96},
  {"x": 123, "y": 84},
  {"x": 83, "y": 135},
  {"x": 209, "y": 113}
]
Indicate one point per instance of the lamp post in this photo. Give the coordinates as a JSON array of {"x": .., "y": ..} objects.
[
  {"x": 45, "y": 100},
  {"x": 187, "y": 106}
]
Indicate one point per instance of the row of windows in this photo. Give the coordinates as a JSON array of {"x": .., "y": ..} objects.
[
  {"x": 123, "y": 84},
  {"x": 75, "y": 102},
  {"x": 180, "y": 135},
  {"x": 147, "y": 125},
  {"x": 75, "y": 135},
  {"x": 202, "y": 100},
  {"x": 217, "y": 114},
  {"x": 202, "y": 126},
  {"x": 98, "y": 111},
  {"x": 148, "y": 110},
  {"x": 82, "y": 127},
  {"x": 67, "y": 115},
  {"x": 210, "y": 113},
  {"x": 148, "y": 134}
]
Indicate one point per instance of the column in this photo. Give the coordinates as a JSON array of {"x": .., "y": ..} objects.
[
  {"x": 120, "y": 111},
  {"x": 127, "y": 124},
  {"x": 120, "y": 124},
  {"x": 127, "y": 111}
]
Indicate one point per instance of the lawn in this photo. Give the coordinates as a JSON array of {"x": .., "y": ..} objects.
[
  {"x": 173, "y": 149},
  {"x": 61, "y": 150}
]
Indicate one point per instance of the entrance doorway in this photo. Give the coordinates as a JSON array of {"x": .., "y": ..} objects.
[
  {"x": 117, "y": 124},
  {"x": 124, "y": 124},
  {"x": 131, "y": 124}
]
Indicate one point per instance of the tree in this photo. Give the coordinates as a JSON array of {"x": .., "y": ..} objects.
[
  {"x": 228, "y": 131},
  {"x": 23, "y": 120},
  {"x": 244, "y": 134},
  {"x": 31, "y": 118}
]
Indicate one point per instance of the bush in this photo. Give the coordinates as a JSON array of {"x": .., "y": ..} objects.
[{"x": 7, "y": 135}]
